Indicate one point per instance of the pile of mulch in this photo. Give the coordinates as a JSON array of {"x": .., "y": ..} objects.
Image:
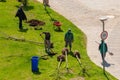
[{"x": 34, "y": 22}]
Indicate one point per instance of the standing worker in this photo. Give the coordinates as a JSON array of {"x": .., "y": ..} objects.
[
  {"x": 103, "y": 49},
  {"x": 69, "y": 38},
  {"x": 47, "y": 41},
  {"x": 21, "y": 15}
]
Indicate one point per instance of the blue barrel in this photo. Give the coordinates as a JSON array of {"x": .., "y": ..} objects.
[{"x": 34, "y": 62}]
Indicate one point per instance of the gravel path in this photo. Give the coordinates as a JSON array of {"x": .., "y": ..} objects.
[{"x": 85, "y": 15}]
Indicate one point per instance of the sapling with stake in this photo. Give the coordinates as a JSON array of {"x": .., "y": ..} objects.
[{"x": 65, "y": 52}]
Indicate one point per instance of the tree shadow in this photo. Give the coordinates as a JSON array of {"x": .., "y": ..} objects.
[
  {"x": 38, "y": 28},
  {"x": 50, "y": 53},
  {"x": 44, "y": 57},
  {"x": 26, "y": 8},
  {"x": 37, "y": 73},
  {"x": 58, "y": 30},
  {"x": 106, "y": 64},
  {"x": 51, "y": 18},
  {"x": 23, "y": 30},
  {"x": 2, "y": 0},
  {"x": 84, "y": 72},
  {"x": 106, "y": 76},
  {"x": 71, "y": 53}
]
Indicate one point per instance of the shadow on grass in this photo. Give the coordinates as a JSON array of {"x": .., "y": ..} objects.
[
  {"x": 51, "y": 18},
  {"x": 106, "y": 64},
  {"x": 58, "y": 30},
  {"x": 106, "y": 76},
  {"x": 84, "y": 71},
  {"x": 23, "y": 30},
  {"x": 72, "y": 54},
  {"x": 2, "y": 0},
  {"x": 26, "y": 8},
  {"x": 37, "y": 73},
  {"x": 51, "y": 53},
  {"x": 38, "y": 28}
]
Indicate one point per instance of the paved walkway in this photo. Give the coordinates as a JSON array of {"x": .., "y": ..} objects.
[{"x": 85, "y": 15}]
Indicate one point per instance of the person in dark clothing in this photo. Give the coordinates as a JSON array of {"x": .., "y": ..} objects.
[
  {"x": 47, "y": 41},
  {"x": 21, "y": 15},
  {"x": 46, "y": 3},
  {"x": 103, "y": 49},
  {"x": 69, "y": 38}
]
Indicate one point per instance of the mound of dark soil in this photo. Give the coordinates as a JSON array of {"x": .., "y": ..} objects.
[{"x": 34, "y": 22}]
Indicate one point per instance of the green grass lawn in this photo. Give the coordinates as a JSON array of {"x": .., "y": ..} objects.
[{"x": 15, "y": 63}]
